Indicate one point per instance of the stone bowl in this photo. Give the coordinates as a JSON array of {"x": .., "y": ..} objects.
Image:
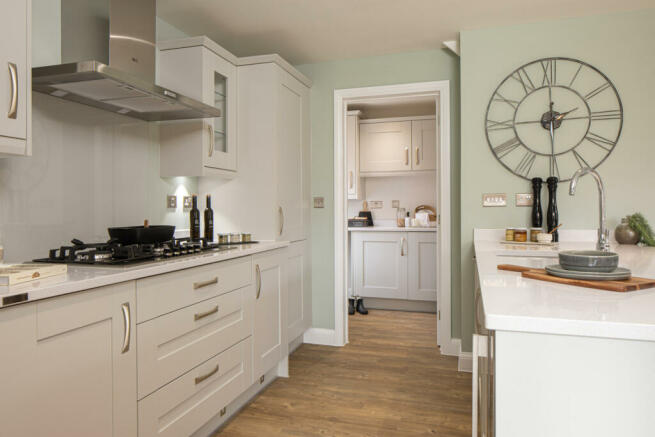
[{"x": 589, "y": 260}]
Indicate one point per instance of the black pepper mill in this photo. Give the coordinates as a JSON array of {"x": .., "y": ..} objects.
[
  {"x": 552, "y": 217},
  {"x": 537, "y": 215}
]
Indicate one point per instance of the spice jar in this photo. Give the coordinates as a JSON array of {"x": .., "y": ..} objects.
[
  {"x": 521, "y": 235},
  {"x": 533, "y": 234},
  {"x": 509, "y": 234},
  {"x": 400, "y": 218}
]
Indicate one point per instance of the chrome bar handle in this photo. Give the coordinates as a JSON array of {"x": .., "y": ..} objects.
[
  {"x": 127, "y": 327},
  {"x": 197, "y": 285},
  {"x": 199, "y": 316},
  {"x": 13, "y": 103},
  {"x": 258, "y": 278},
  {"x": 281, "y": 214},
  {"x": 201, "y": 378},
  {"x": 406, "y": 155},
  {"x": 211, "y": 140}
]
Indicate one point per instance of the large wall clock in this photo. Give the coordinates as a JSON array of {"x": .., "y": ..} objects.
[{"x": 553, "y": 116}]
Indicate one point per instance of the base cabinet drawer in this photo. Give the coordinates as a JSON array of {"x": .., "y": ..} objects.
[
  {"x": 181, "y": 407},
  {"x": 172, "y": 344},
  {"x": 168, "y": 292}
]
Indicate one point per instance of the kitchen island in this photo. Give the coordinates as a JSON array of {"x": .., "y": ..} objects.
[{"x": 559, "y": 360}]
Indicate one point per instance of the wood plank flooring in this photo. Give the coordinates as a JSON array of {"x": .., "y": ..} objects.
[{"x": 390, "y": 380}]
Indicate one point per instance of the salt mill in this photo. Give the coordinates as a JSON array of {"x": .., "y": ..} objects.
[{"x": 537, "y": 215}]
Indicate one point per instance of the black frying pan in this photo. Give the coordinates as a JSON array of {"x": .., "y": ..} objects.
[{"x": 142, "y": 234}]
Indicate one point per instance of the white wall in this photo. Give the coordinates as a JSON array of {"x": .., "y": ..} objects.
[{"x": 412, "y": 191}]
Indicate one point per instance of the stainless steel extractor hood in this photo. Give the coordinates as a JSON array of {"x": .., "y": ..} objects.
[{"x": 125, "y": 86}]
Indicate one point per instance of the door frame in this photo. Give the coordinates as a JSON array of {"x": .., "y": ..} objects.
[{"x": 342, "y": 97}]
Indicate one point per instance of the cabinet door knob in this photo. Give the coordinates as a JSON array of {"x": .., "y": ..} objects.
[
  {"x": 258, "y": 278},
  {"x": 127, "y": 327},
  {"x": 13, "y": 102}
]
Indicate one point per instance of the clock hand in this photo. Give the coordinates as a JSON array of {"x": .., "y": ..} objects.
[
  {"x": 552, "y": 146},
  {"x": 564, "y": 114}
]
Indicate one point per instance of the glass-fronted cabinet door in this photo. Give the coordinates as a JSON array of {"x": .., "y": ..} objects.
[{"x": 220, "y": 90}]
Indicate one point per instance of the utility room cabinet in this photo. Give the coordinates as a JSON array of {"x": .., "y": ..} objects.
[
  {"x": 394, "y": 265},
  {"x": 397, "y": 147},
  {"x": 15, "y": 78},
  {"x": 270, "y": 339},
  {"x": 355, "y": 185},
  {"x": 201, "y": 69},
  {"x": 73, "y": 362}
]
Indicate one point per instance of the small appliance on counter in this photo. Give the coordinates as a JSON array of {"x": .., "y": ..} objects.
[{"x": 364, "y": 213}]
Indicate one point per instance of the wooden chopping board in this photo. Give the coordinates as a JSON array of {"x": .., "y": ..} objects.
[{"x": 631, "y": 284}]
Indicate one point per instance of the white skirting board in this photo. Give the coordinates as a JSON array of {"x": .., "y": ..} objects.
[
  {"x": 322, "y": 336},
  {"x": 465, "y": 362}
]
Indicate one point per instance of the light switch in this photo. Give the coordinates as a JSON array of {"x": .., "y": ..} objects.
[
  {"x": 319, "y": 202},
  {"x": 187, "y": 203},
  {"x": 524, "y": 199},
  {"x": 395, "y": 203},
  {"x": 494, "y": 199},
  {"x": 171, "y": 201}
]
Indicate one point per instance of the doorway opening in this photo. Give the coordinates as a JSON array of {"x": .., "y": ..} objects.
[{"x": 392, "y": 150}]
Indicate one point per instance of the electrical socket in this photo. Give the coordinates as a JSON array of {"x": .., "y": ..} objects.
[
  {"x": 319, "y": 202},
  {"x": 524, "y": 199},
  {"x": 375, "y": 204},
  {"x": 171, "y": 201},
  {"x": 187, "y": 202},
  {"x": 494, "y": 199},
  {"x": 395, "y": 203}
]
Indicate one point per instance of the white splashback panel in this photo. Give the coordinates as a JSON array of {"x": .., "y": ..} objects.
[{"x": 89, "y": 170}]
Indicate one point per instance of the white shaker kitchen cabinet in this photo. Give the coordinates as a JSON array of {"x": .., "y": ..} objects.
[
  {"x": 15, "y": 78},
  {"x": 293, "y": 157},
  {"x": 201, "y": 69},
  {"x": 422, "y": 262},
  {"x": 424, "y": 144},
  {"x": 299, "y": 294},
  {"x": 380, "y": 264},
  {"x": 352, "y": 149},
  {"x": 270, "y": 341},
  {"x": 385, "y": 147},
  {"x": 74, "y": 358}
]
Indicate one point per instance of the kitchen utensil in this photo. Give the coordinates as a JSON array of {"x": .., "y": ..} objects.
[
  {"x": 589, "y": 260},
  {"x": 11, "y": 274},
  {"x": 552, "y": 231},
  {"x": 617, "y": 274},
  {"x": 552, "y": 215},
  {"x": 631, "y": 284},
  {"x": 142, "y": 234},
  {"x": 537, "y": 215}
]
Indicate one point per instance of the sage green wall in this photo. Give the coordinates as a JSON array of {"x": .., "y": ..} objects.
[
  {"x": 620, "y": 45},
  {"x": 420, "y": 66}
]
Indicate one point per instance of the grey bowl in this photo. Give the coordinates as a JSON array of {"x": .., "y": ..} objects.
[{"x": 589, "y": 260}]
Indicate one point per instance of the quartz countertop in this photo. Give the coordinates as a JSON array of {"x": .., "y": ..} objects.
[
  {"x": 514, "y": 303},
  {"x": 389, "y": 229},
  {"x": 80, "y": 278}
]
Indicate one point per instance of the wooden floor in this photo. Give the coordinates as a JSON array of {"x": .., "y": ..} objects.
[{"x": 390, "y": 380}]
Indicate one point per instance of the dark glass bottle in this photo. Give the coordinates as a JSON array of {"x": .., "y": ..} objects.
[
  {"x": 552, "y": 217},
  {"x": 537, "y": 215},
  {"x": 209, "y": 220},
  {"x": 194, "y": 220}
]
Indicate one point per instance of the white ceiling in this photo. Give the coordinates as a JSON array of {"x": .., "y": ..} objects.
[{"x": 306, "y": 31}]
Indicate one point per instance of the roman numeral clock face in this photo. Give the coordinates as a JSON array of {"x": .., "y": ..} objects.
[{"x": 553, "y": 116}]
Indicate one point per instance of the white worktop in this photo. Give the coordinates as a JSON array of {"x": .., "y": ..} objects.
[
  {"x": 389, "y": 229},
  {"x": 81, "y": 278},
  {"x": 513, "y": 303}
]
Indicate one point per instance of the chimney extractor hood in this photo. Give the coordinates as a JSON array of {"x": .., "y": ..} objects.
[{"x": 125, "y": 86}]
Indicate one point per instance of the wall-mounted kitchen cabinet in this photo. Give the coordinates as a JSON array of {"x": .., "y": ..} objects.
[
  {"x": 355, "y": 185},
  {"x": 15, "y": 78},
  {"x": 391, "y": 147},
  {"x": 394, "y": 265},
  {"x": 203, "y": 70}
]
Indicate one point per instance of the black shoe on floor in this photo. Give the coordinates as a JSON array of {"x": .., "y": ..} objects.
[
  {"x": 351, "y": 306},
  {"x": 361, "y": 309}
]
